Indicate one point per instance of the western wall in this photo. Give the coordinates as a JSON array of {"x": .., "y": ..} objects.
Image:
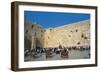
[{"x": 75, "y": 34}]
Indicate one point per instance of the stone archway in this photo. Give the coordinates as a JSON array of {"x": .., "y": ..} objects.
[{"x": 38, "y": 43}]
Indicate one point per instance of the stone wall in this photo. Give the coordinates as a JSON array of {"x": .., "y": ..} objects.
[
  {"x": 35, "y": 34},
  {"x": 75, "y": 34}
]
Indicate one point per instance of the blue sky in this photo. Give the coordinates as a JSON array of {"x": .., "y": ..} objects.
[{"x": 54, "y": 19}]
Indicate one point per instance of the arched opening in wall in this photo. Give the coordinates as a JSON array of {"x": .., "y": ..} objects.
[{"x": 38, "y": 43}]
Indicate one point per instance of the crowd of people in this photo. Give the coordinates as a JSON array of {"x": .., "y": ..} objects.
[{"x": 49, "y": 52}]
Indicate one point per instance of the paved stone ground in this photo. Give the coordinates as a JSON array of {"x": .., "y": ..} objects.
[{"x": 73, "y": 54}]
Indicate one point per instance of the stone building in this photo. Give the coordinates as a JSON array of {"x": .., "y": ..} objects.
[
  {"x": 75, "y": 34},
  {"x": 33, "y": 35}
]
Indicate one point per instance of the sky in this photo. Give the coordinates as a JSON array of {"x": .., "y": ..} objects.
[{"x": 54, "y": 19}]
